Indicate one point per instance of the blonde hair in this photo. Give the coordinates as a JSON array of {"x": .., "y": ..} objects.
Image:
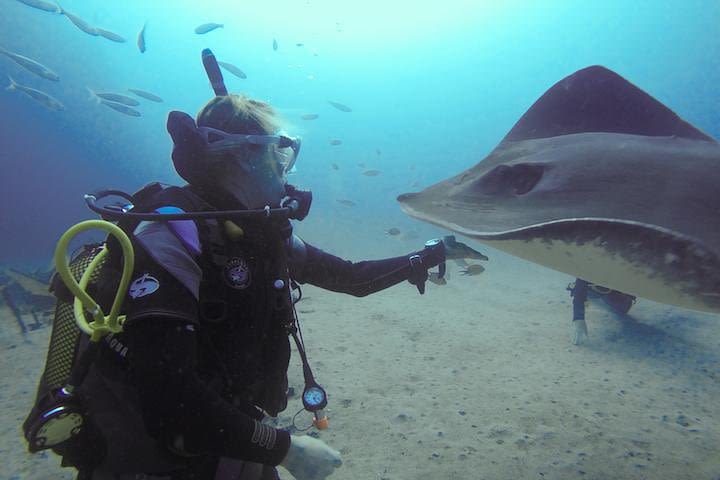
[{"x": 240, "y": 114}]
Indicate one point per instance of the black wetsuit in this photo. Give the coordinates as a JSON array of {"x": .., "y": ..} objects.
[{"x": 206, "y": 343}]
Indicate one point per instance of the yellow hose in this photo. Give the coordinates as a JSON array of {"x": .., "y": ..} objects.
[{"x": 101, "y": 324}]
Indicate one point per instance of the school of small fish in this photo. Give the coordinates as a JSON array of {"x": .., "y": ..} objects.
[
  {"x": 125, "y": 104},
  {"x": 129, "y": 104},
  {"x": 116, "y": 101}
]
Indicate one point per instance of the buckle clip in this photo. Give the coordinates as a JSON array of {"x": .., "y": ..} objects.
[{"x": 418, "y": 273}]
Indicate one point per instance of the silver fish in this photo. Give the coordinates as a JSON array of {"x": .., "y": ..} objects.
[
  {"x": 472, "y": 269},
  {"x": 31, "y": 65},
  {"x": 141, "y": 39},
  {"x": 455, "y": 250},
  {"x": 112, "y": 36},
  {"x": 208, "y": 27},
  {"x": 42, "y": 5},
  {"x": 80, "y": 23},
  {"x": 146, "y": 95},
  {"x": 346, "y": 202},
  {"x": 114, "y": 97},
  {"x": 119, "y": 107},
  {"x": 233, "y": 69},
  {"x": 340, "y": 106},
  {"x": 41, "y": 97},
  {"x": 371, "y": 173},
  {"x": 275, "y": 45}
]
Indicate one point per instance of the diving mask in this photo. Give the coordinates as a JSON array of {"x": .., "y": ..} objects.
[{"x": 221, "y": 143}]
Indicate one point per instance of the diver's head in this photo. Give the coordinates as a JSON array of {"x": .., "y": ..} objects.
[{"x": 246, "y": 157}]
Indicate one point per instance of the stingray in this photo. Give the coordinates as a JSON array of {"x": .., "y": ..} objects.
[{"x": 601, "y": 181}]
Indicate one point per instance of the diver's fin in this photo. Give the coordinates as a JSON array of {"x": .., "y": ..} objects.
[{"x": 596, "y": 99}]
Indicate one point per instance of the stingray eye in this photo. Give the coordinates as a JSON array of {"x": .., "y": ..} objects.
[
  {"x": 513, "y": 179},
  {"x": 525, "y": 176}
]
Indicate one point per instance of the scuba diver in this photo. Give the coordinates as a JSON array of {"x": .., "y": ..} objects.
[
  {"x": 184, "y": 389},
  {"x": 582, "y": 290}
]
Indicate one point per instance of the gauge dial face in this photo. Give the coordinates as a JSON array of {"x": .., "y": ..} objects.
[
  {"x": 314, "y": 396},
  {"x": 59, "y": 428}
]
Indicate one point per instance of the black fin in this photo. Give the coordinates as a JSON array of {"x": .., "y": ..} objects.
[{"x": 596, "y": 99}]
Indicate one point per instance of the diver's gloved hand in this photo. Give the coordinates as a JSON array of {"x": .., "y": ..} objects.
[
  {"x": 436, "y": 251},
  {"x": 310, "y": 458},
  {"x": 455, "y": 250},
  {"x": 433, "y": 254},
  {"x": 189, "y": 145}
]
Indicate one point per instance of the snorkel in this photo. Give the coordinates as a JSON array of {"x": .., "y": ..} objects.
[{"x": 213, "y": 72}]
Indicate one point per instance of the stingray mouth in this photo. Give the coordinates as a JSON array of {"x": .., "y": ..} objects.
[{"x": 517, "y": 179}]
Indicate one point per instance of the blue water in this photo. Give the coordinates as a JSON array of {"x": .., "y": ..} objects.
[{"x": 433, "y": 88}]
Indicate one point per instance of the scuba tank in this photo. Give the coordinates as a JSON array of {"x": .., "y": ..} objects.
[{"x": 58, "y": 415}]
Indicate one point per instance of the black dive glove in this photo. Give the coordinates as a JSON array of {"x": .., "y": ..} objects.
[
  {"x": 436, "y": 251},
  {"x": 189, "y": 145},
  {"x": 433, "y": 254}
]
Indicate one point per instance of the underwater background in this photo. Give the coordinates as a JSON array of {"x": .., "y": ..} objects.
[
  {"x": 475, "y": 379},
  {"x": 433, "y": 87}
]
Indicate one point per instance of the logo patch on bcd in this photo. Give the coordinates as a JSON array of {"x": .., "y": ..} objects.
[
  {"x": 144, "y": 285},
  {"x": 237, "y": 273}
]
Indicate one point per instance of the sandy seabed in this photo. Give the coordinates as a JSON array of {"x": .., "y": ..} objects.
[{"x": 476, "y": 379}]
